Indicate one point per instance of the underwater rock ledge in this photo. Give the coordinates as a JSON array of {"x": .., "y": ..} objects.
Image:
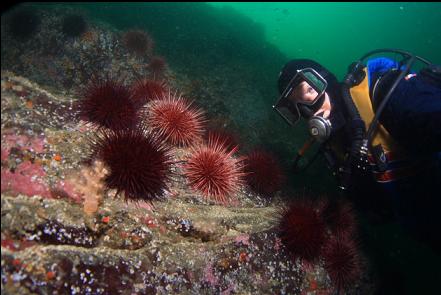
[
  {"x": 182, "y": 245},
  {"x": 50, "y": 246}
]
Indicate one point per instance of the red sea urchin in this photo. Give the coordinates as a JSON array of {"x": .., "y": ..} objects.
[
  {"x": 139, "y": 164},
  {"x": 229, "y": 139},
  {"x": 340, "y": 218},
  {"x": 108, "y": 103},
  {"x": 175, "y": 120},
  {"x": 263, "y": 173},
  {"x": 145, "y": 90},
  {"x": 302, "y": 230},
  {"x": 212, "y": 170},
  {"x": 138, "y": 42},
  {"x": 157, "y": 66},
  {"x": 342, "y": 262}
]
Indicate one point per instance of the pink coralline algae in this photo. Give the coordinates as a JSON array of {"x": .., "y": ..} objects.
[
  {"x": 277, "y": 244},
  {"x": 209, "y": 276},
  {"x": 243, "y": 238},
  {"x": 66, "y": 189},
  {"x": 26, "y": 179},
  {"x": 231, "y": 288},
  {"x": 24, "y": 142},
  {"x": 29, "y": 179},
  {"x": 5, "y": 154}
]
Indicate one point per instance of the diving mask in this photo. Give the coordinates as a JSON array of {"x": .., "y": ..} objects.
[{"x": 303, "y": 96}]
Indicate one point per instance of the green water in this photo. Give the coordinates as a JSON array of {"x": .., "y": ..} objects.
[
  {"x": 337, "y": 33},
  {"x": 204, "y": 41}
]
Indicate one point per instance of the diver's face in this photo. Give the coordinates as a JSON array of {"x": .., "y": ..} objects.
[
  {"x": 306, "y": 93},
  {"x": 326, "y": 107},
  {"x": 303, "y": 93}
]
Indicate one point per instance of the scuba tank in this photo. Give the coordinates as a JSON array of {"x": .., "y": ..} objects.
[{"x": 362, "y": 140}]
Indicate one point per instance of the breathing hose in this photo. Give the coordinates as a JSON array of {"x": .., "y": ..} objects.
[{"x": 358, "y": 129}]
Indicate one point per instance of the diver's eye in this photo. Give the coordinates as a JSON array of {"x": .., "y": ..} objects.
[{"x": 310, "y": 90}]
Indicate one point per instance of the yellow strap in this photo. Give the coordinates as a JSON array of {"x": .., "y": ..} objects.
[{"x": 360, "y": 95}]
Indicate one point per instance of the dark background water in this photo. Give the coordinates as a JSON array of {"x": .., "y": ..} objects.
[{"x": 255, "y": 40}]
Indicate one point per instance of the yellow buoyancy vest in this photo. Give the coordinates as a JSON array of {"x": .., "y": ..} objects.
[
  {"x": 392, "y": 151},
  {"x": 362, "y": 100}
]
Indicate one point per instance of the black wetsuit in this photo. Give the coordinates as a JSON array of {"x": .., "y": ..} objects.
[{"x": 412, "y": 116}]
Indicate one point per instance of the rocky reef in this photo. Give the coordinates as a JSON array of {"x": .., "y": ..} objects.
[
  {"x": 63, "y": 232},
  {"x": 184, "y": 244}
]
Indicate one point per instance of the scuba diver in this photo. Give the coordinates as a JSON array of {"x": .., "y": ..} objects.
[{"x": 379, "y": 130}]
